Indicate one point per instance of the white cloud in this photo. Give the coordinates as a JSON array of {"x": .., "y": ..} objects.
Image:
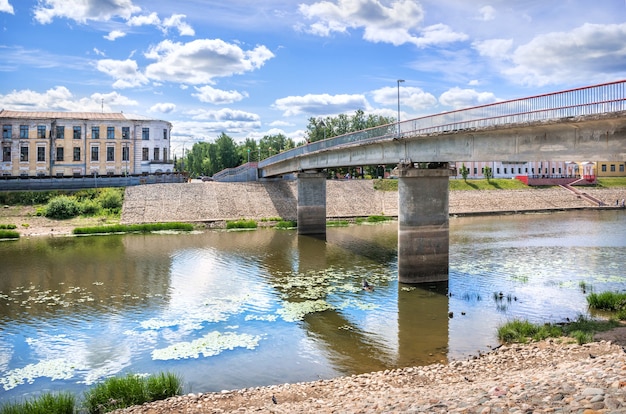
[
  {"x": 395, "y": 24},
  {"x": 125, "y": 72},
  {"x": 6, "y": 7},
  {"x": 494, "y": 48},
  {"x": 412, "y": 97},
  {"x": 218, "y": 96},
  {"x": 176, "y": 21},
  {"x": 591, "y": 52},
  {"x": 151, "y": 19},
  {"x": 323, "y": 104},
  {"x": 487, "y": 13},
  {"x": 114, "y": 34},
  {"x": 464, "y": 98},
  {"x": 164, "y": 108},
  {"x": 83, "y": 10},
  {"x": 208, "y": 124},
  {"x": 280, "y": 124},
  {"x": 98, "y": 52},
  {"x": 201, "y": 60},
  {"x": 61, "y": 99}
]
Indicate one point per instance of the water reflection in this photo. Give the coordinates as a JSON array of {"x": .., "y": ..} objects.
[{"x": 236, "y": 309}]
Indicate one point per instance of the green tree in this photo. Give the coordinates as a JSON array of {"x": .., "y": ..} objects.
[
  {"x": 488, "y": 173},
  {"x": 464, "y": 172},
  {"x": 227, "y": 153}
]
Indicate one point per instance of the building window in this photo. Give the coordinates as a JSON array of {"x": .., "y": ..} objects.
[
  {"x": 621, "y": 168},
  {"x": 95, "y": 132},
  {"x": 6, "y": 153},
  {"x": 60, "y": 132},
  {"x": 23, "y": 153},
  {"x": 76, "y": 132},
  {"x": 156, "y": 154},
  {"x": 95, "y": 153},
  {"x": 76, "y": 153},
  {"x": 7, "y": 131},
  {"x": 110, "y": 153},
  {"x": 475, "y": 170},
  {"x": 164, "y": 154},
  {"x": 41, "y": 154},
  {"x": 603, "y": 167},
  {"x": 505, "y": 169},
  {"x": 498, "y": 170},
  {"x": 125, "y": 132},
  {"x": 560, "y": 170},
  {"x": 110, "y": 132},
  {"x": 41, "y": 131},
  {"x": 612, "y": 167},
  {"x": 145, "y": 133},
  {"x": 125, "y": 153},
  {"x": 23, "y": 131},
  {"x": 144, "y": 154},
  {"x": 60, "y": 154},
  {"x": 165, "y": 134}
]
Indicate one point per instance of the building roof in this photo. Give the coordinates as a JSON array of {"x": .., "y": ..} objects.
[{"x": 105, "y": 116}]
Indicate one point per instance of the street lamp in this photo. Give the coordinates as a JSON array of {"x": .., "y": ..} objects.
[
  {"x": 399, "y": 82},
  {"x": 248, "y": 155}
]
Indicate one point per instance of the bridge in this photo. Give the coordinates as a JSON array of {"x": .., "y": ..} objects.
[{"x": 583, "y": 123}]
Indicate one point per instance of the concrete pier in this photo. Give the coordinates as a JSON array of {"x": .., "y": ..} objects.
[
  {"x": 423, "y": 232},
  {"x": 311, "y": 203}
]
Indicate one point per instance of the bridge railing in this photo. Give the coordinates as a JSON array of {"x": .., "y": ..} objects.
[{"x": 589, "y": 100}]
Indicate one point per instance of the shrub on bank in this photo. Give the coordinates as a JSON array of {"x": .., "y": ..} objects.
[
  {"x": 62, "y": 207},
  {"x": 609, "y": 301},
  {"x": 8, "y": 226},
  {"x": 9, "y": 234},
  {"x": 286, "y": 224},
  {"x": 582, "y": 330}
]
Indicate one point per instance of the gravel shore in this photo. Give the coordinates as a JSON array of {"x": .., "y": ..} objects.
[{"x": 549, "y": 376}]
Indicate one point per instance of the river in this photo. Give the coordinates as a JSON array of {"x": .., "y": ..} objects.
[{"x": 236, "y": 309}]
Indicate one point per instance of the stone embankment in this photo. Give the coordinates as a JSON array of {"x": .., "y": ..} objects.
[
  {"x": 544, "y": 377},
  {"x": 214, "y": 202}
]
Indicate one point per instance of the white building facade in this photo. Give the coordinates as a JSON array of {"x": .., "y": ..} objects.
[{"x": 66, "y": 144}]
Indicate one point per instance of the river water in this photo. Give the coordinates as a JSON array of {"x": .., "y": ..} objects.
[{"x": 237, "y": 309}]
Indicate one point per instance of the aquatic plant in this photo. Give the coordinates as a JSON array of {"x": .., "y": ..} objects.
[
  {"x": 9, "y": 234},
  {"x": 120, "y": 392},
  {"x": 378, "y": 219},
  {"x": 59, "y": 403},
  {"x": 241, "y": 224},
  {"x": 130, "y": 228},
  {"x": 337, "y": 223},
  {"x": 610, "y": 301},
  {"x": 211, "y": 344},
  {"x": 286, "y": 224},
  {"x": 582, "y": 329}
]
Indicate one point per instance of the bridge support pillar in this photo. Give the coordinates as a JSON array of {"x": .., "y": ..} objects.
[
  {"x": 312, "y": 203},
  {"x": 423, "y": 232}
]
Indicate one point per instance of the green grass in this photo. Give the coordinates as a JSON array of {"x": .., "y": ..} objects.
[
  {"x": 121, "y": 392},
  {"x": 286, "y": 224},
  {"x": 460, "y": 184},
  {"x": 337, "y": 223},
  {"x": 9, "y": 234},
  {"x": 582, "y": 330},
  {"x": 612, "y": 182},
  {"x": 377, "y": 219},
  {"x": 133, "y": 228},
  {"x": 609, "y": 301},
  {"x": 8, "y": 226},
  {"x": 493, "y": 184},
  {"x": 241, "y": 224},
  {"x": 60, "y": 403}
]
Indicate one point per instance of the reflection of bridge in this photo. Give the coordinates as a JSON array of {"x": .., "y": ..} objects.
[{"x": 583, "y": 123}]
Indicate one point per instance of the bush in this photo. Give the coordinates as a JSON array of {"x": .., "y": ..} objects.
[
  {"x": 62, "y": 403},
  {"x": 62, "y": 207},
  {"x": 129, "y": 228},
  {"x": 610, "y": 301},
  {"x": 131, "y": 390},
  {"x": 111, "y": 199},
  {"x": 8, "y": 226},
  {"x": 89, "y": 207},
  {"x": 286, "y": 224}
]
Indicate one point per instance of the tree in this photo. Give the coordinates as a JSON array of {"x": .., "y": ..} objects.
[
  {"x": 488, "y": 173},
  {"x": 464, "y": 172}
]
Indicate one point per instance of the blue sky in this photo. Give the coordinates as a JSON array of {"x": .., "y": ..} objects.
[{"x": 250, "y": 68}]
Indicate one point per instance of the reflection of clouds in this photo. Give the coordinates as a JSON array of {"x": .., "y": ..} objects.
[{"x": 6, "y": 353}]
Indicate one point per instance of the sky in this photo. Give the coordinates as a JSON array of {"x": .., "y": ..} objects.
[{"x": 250, "y": 68}]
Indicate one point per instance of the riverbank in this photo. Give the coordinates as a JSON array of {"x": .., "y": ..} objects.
[
  {"x": 548, "y": 376},
  {"x": 210, "y": 204}
]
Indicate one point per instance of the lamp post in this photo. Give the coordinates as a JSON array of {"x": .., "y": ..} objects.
[
  {"x": 399, "y": 82},
  {"x": 248, "y": 155}
]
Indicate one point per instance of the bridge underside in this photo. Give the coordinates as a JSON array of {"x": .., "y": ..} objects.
[{"x": 595, "y": 138}]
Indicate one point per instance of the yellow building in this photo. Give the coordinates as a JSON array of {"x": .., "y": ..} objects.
[
  {"x": 65, "y": 144},
  {"x": 611, "y": 169}
]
